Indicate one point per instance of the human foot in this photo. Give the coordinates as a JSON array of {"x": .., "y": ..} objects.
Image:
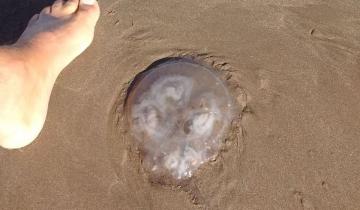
[
  {"x": 59, "y": 34},
  {"x": 29, "y": 68}
]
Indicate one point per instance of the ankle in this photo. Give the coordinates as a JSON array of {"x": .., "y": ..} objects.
[
  {"x": 24, "y": 60},
  {"x": 12, "y": 63},
  {"x": 10, "y": 55}
]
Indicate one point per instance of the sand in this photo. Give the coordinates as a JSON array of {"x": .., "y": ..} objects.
[{"x": 293, "y": 66}]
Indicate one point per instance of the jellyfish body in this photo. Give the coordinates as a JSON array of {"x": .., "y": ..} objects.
[{"x": 178, "y": 113}]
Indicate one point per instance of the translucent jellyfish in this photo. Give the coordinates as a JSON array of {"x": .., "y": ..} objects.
[{"x": 178, "y": 112}]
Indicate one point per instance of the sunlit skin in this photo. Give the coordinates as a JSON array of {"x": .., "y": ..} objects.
[{"x": 29, "y": 68}]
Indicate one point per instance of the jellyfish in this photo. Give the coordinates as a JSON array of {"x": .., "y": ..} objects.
[{"x": 178, "y": 114}]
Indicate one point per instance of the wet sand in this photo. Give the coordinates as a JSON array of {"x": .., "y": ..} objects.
[{"x": 293, "y": 66}]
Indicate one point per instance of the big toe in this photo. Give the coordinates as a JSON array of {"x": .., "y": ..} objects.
[
  {"x": 90, "y": 9},
  {"x": 61, "y": 8}
]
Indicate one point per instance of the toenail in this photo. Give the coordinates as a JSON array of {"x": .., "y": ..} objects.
[{"x": 88, "y": 2}]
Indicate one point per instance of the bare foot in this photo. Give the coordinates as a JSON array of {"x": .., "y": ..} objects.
[
  {"x": 29, "y": 68},
  {"x": 60, "y": 33}
]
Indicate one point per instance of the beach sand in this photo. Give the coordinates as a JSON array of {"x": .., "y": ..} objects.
[{"x": 293, "y": 66}]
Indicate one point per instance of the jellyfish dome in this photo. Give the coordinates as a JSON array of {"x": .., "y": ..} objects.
[{"x": 178, "y": 112}]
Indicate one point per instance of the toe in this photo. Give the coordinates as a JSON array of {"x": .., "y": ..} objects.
[
  {"x": 90, "y": 9},
  {"x": 57, "y": 5},
  {"x": 34, "y": 19},
  {"x": 46, "y": 10},
  {"x": 71, "y": 5},
  {"x": 62, "y": 8}
]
